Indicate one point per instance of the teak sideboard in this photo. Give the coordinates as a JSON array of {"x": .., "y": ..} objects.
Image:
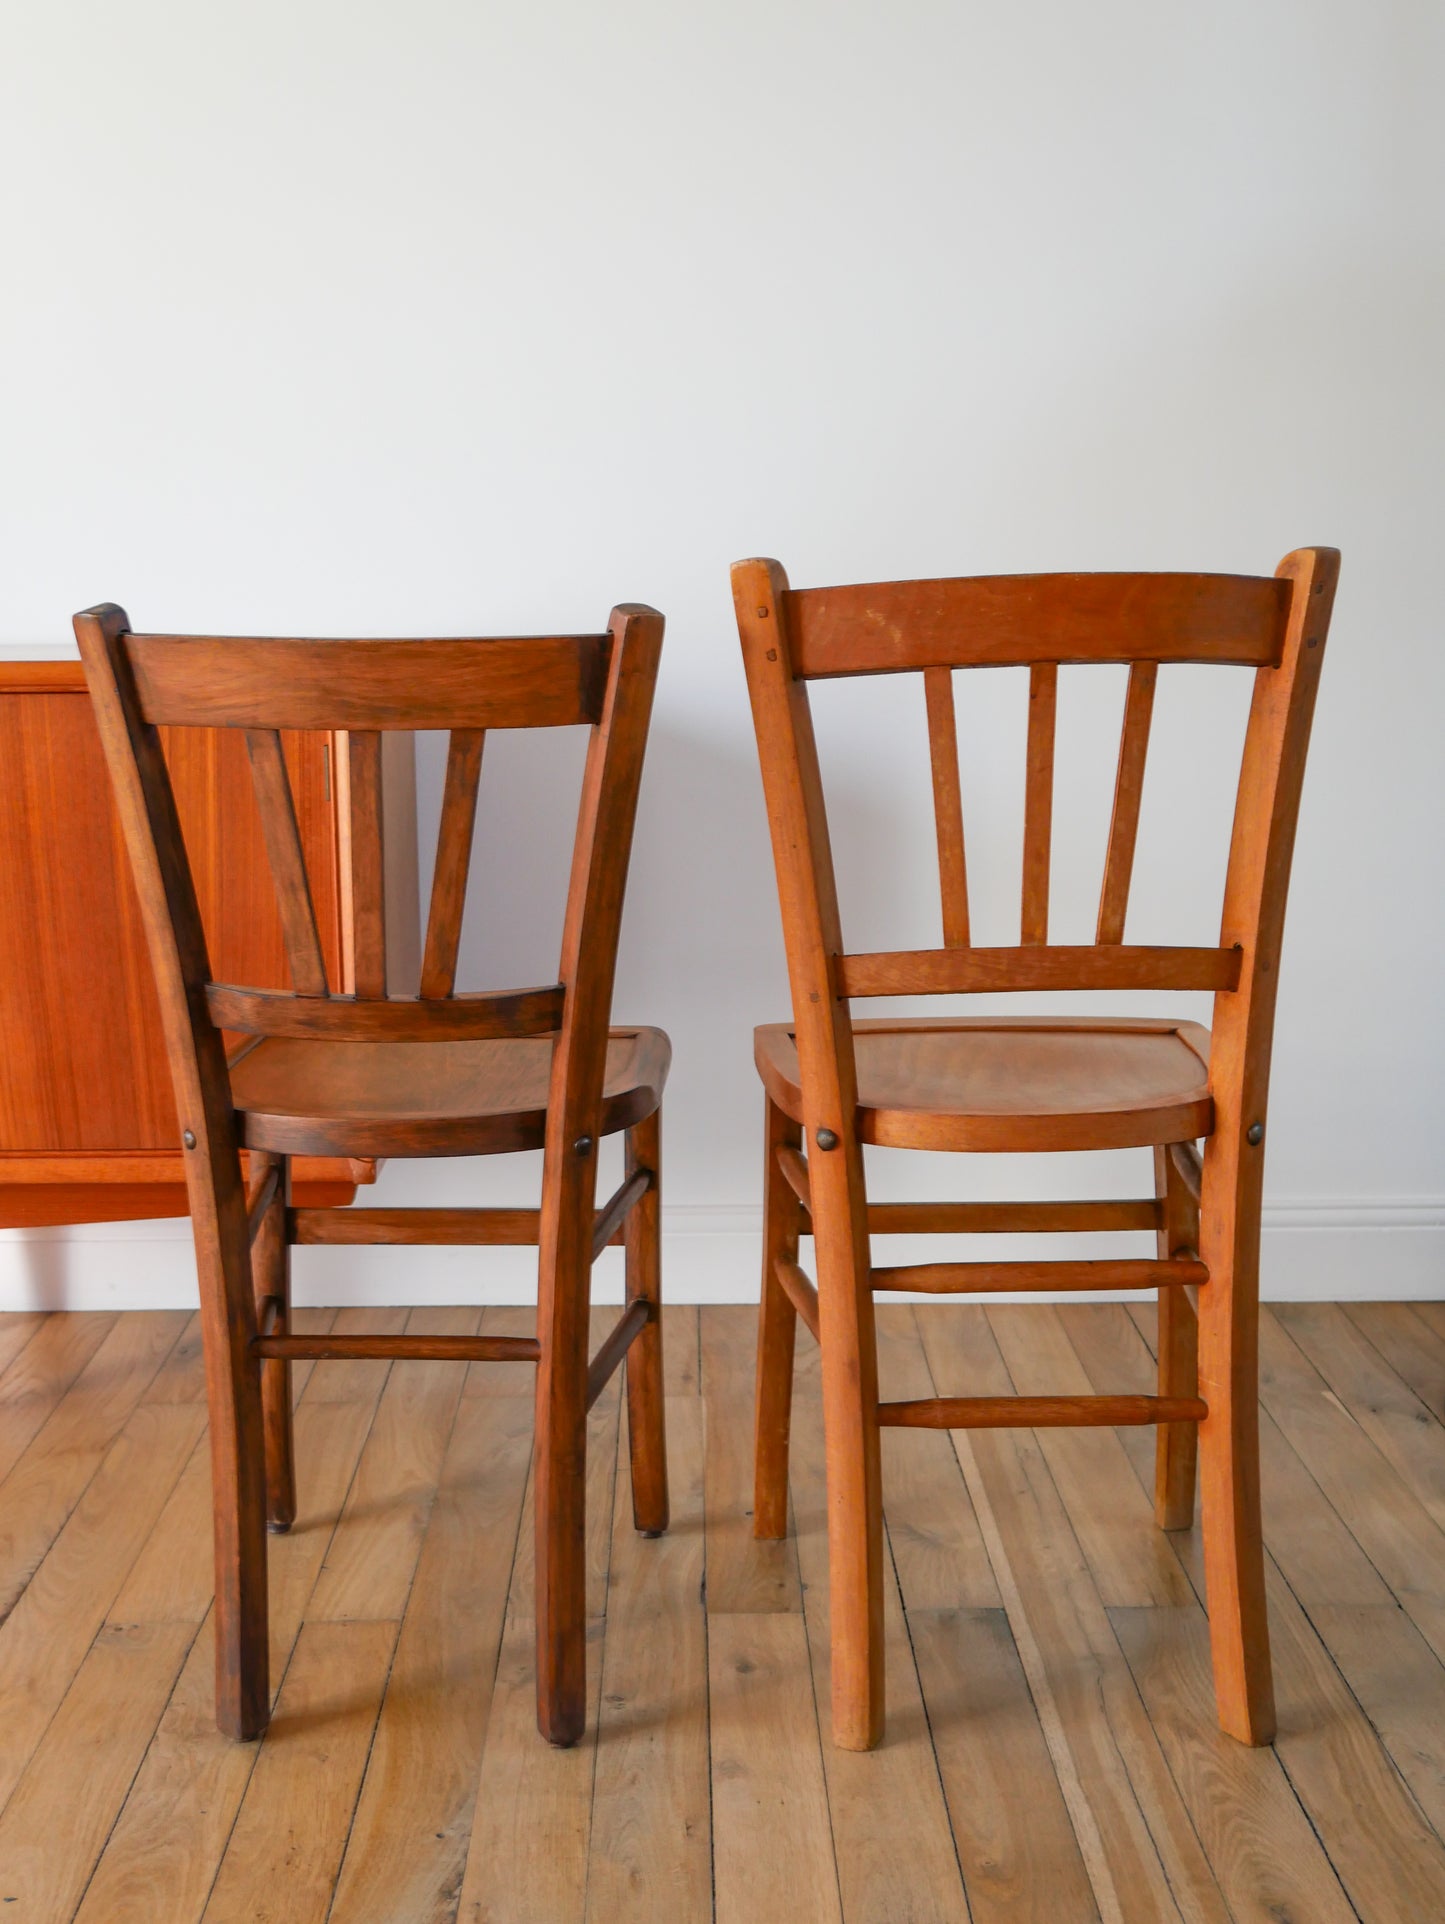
[{"x": 88, "y": 1129}]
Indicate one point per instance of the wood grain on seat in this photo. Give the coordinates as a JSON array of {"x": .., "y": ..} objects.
[
  {"x": 985, "y": 1083},
  {"x": 430, "y": 1098}
]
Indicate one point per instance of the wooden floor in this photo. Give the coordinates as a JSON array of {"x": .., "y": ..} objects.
[{"x": 1051, "y": 1751}]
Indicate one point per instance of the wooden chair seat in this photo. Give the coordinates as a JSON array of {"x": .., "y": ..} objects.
[
  {"x": 429, "y": 1098},
  {"x": 1005, "y": 1083}
]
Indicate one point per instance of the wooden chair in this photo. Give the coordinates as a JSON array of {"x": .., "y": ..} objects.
[
  {"x": 323, "y": 1073},
  {"x": 1042, "y": 1084}
]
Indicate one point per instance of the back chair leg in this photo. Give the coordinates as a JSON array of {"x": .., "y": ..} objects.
[
  {"x": 777, "y": 1332},
  {"x": 646, "y": 1418},
  {"x": 1229, "y": 1457},
  {"x": 271, "y": 1270},
  {"x": 1176, "y": 1444}
]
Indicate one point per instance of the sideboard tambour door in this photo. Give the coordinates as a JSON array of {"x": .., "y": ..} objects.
[{"x": 88, "y": 1128}]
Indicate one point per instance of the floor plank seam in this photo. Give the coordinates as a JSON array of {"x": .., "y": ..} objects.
[
  {"x": 139, "y": 1767},
  {"x": 6, "y": 1801},
  {"x": 1031, "y": 1662},
  {"x": 100, "y": 1464}
]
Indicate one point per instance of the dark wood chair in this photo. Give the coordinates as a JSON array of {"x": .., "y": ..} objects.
[
  {"x": 322, "y": 1073},
  {"x": 1027, "y": 1085}
]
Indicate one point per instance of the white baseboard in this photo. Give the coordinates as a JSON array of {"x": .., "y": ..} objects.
[{"x": 1313, "y": 1251}]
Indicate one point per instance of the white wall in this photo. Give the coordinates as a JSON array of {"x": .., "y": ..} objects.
[{"x": 456, "y": 317}]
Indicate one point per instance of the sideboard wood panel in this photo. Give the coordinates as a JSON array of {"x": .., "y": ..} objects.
[{"x": 87, "y": 1122}]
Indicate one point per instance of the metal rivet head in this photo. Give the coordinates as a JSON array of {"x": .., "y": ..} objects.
[
  {"x": 583, "y": 1145},
  {"x": 825, "y": 1139},
  {"x": 1254, "y": 1134},
  {"x": 189, "y": 1139}
]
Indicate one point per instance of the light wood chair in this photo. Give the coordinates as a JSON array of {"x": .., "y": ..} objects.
[
  {"x": 324, "y": 1073},
  {"x": 1027, "y": 1085}
]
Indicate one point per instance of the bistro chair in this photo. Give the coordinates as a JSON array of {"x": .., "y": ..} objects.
[
  {"x": 367, "y": 1074},
  {"x": 1028, "y": 1084}
]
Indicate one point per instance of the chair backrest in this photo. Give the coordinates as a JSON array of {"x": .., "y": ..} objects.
[
  {"x": 360, "y": 689},
  {"x": 1275, "y": 625}
]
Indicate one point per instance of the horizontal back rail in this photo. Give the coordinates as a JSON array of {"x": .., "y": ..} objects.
[
  {"x": 1000, "y": 621},
  {"x": 977, "y": 971},
  {"x": 342, "y": 1018},
  {"x": 242, "y": 682}
]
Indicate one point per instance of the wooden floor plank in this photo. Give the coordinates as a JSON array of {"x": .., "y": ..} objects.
[
  {"x": 17, "y": 1327},
  {"x": 651, "y": 1838},
  {"x": 1403, "y": 1429},
  {"x": 1063, "y": 1753},
  {"x": 66, "y": 1452},
  {"x": 505, "y": 1379},
  {"x": 334, "y": 1381},
  {"x": 161, "y": 1858},
  {"x": 281, "y": 1861},
  {"x": 1021, "y": 1859},
  {"x": 1133, "y": 1563},
  {"x": 772, "y": 1839},
  {"x": 1349, "y": 1668},
  {"x": 1385, "y": 1517},
  {"x": 1259, "y": 1841},
  {"x": 1136, "y": 1837},
  {"x": 532, "y": 1821},
  {"x": 41, "y": 1373},
  {"x": 887, "y": 1806},
  {"x": 933, "y": 1533},
  {"x": 742, "y": 1573},
  {"x": 372, "y": 1557},
  {"x": 79, "y": 1775},
  {"x": 681, "y": 1349},
  {"x": 408, "y": 1845},
  {"x": 44, "y": 1639},
  {"x": 1414, "y": 1351}
]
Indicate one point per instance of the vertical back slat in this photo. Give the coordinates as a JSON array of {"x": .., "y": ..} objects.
[
  {"x": 1039, "y": 802},
  {"x": 1128, "y": 788},
  {"x": 947, "y": 804},
  {"x": 288, "y": 865},
  {"x": 453, "y": 862},
  {"x": 362, "y": 761}
]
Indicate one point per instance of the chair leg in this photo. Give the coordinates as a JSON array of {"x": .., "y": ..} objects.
[
  {"x": 849, "y": 1353},
  {"x": 1176, "y": 1444},
  {"x": 777, "y": 1332},
  {"x": 271, "y": 1271},
  {"x": 646, "y": 1417},
  {"x": 560, "y": 1449},
  {"x": 1229, "y": 1449},
  {"x": 238, "y": 1492}
]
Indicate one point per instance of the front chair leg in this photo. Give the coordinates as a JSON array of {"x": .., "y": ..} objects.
[
  {"x": 560, "y": 1454},
  {"x": 271, "y": 1273},
  {"x": 777, "y": 1333},
  {"x": 238, "y": 1486},
  {"x": 1229, "y": 1457},
  {"x": 849, "y": 1352},
  {"x": 646, "y": 1418},
  {"x": 1176, "y": 1445}
]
